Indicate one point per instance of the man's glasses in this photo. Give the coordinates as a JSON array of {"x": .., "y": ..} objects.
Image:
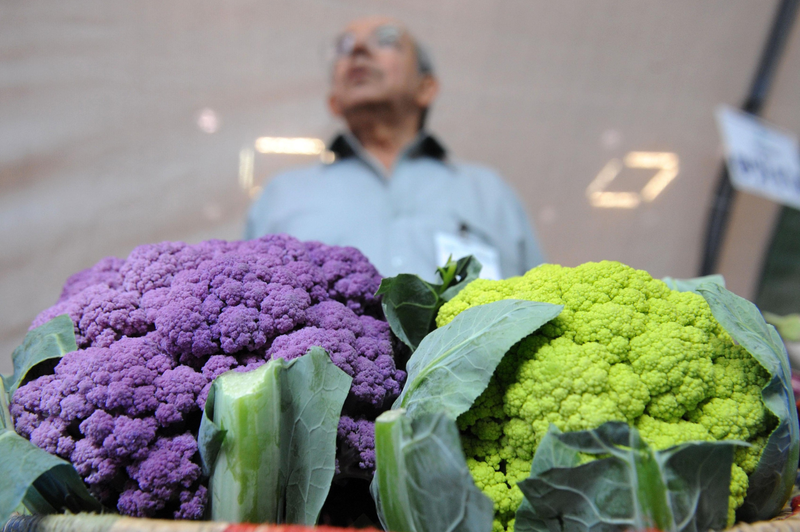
[{"x": 386, "y": 37}]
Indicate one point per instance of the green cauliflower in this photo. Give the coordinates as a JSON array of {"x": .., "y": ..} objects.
[{"x": 625, "y": 348}]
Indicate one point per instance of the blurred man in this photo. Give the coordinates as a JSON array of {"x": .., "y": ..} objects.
[{"x": 392, "y": 191}]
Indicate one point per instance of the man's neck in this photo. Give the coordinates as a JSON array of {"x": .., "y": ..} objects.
[{"x": 382, "y": 135}]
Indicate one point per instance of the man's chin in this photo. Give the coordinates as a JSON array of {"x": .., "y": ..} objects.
[{"x": 364, "y": 100}]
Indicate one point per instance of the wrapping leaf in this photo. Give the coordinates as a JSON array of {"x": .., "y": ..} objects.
[
  {"x": 690, "y": 285},
  {"x": 47, "y": 342},
  {"x": 630, "y": 486},
  {"x": 422, "y": 483},
  {"x": 788, "y": 326},
  {"x": 457, "y": 275},
  {"x": 411, "y": 303},
  {"x": 210, "y": 436},
  {"x": 771, "y": 483},
  {"x": 6, "y": 421},
  {"x": 31, "y": 476},
  {"x": 268, "y": 439},
  {"x": 453, "y": 364},
  {"x": 43, "y": 482}
]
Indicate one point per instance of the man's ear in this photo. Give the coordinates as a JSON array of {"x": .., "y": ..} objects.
[
  {"x": 333, "y": 105},
  {"x": 427, "y": 91}
]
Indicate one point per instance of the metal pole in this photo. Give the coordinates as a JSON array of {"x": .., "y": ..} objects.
[{"x": 757, "y": 96}]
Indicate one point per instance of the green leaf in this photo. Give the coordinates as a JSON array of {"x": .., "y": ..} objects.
[
  {"x": 788, "y": 326},
  {"x": 771, "y": 483},
  {"x": 389, "y": 486},
  {"x": 454, "y": 363},
  {"x": 245, "y": 475},
  {"x": 635, "y": 473},
  {"x": 22, "y": 510},
  {"x": 422, "y": 483},
  {"x": 698, "y": 479},
  {"x": 49, "y": 341},
  {"x": 269, "y": 439},
  {"x": 6, "y": 421},
  {"x": 45, "y": 483},
  {"x": 628, "y": 486},
  {"x": 314, "y": 393},
  {"x": 467, "y": 269},
  {"x": 209, "y": 436},
  {"x": 411, "y": 303},
  {"x": 690, "y": 285},
  {"x": 551, "y": 453}
]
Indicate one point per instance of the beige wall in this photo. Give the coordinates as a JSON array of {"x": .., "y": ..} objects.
[{"x": 100, "y": 149}]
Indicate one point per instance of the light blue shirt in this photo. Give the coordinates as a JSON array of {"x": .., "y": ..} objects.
[{"x": 394, "y": 217}]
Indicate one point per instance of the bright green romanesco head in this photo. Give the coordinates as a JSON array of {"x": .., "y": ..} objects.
[{"x": 625, "y": 348}]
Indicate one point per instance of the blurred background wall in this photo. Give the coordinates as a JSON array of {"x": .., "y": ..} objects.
[{"x": 123, "y": 123}]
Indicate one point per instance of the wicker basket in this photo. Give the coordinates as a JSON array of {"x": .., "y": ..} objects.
[
  {"x": 787, "y": 521},
  {"x": 115, "y": 523}
]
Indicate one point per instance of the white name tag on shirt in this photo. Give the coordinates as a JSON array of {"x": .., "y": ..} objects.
[{"x": 456, "y": 246}]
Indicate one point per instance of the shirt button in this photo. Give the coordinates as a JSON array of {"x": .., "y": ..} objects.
[{"x": 397, "y": 261}]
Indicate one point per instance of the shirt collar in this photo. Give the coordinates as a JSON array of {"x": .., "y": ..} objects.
[{"x": 347, "y": 145}]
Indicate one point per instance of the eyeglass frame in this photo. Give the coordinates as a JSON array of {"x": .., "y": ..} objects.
[
  {"x": 424, "y": 62},
  {"x": 345, "y": 43}
]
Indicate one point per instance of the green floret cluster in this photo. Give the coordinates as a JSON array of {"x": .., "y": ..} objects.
[{"x": 625, "y": 348}]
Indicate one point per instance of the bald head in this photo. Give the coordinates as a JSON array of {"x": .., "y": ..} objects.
[{"x": 378, "y": 65}]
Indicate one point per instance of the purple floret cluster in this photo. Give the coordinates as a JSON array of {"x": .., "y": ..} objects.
[{"x": 155, "y": 329}]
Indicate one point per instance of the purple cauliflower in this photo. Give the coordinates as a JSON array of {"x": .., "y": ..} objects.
[
  {"x": 104, "y": 272},
  {"x": 155, "y": 329},
  {"x": 360, "y": 437}
]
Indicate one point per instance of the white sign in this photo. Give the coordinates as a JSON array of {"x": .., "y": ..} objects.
[
  {"x": 761, "y": 159},
  {"x": 454, "y": 246}
]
